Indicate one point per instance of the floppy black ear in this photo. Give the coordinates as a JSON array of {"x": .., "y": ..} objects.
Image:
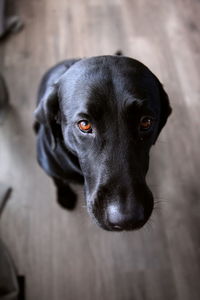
[
  {"x": 165, "y": 109},
  {"x": 47, "y": 112}
]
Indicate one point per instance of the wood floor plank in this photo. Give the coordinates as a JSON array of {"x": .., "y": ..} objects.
[{"x": 63, "y": 255}]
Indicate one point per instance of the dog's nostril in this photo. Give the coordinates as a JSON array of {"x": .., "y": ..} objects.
[{"x": 116, "y": 227}]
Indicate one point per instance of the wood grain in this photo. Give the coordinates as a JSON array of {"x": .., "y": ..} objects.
[{"x": 63, "y": 254}]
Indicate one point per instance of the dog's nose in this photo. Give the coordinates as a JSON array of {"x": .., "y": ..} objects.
[{"x": 119, "y": 219}]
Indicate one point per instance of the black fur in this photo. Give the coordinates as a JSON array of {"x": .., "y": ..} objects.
[{"x": 113, "y": 93}]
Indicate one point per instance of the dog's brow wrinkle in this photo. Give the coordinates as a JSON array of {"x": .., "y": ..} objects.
[
  {"x": 134, "y": 102},
  {"x": 140, "y": 102}
]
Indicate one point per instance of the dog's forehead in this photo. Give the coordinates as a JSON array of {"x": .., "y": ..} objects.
[{"x": 107, "y": 77}]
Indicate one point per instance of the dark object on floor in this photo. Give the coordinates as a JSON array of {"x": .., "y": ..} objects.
[
  {"x": 8, "y": 24},
  {"x": 22, "y": 285},
  {"x": 12, "y": 287},
  {"x": 4, "y": 99},
  {"x": 119, "y": 53},
  {"x": 8, "y": 279},
  {"x": 9, "y": 288},
  {"x": 97, "y": 119},
  {"x": 5, "y": 191}
]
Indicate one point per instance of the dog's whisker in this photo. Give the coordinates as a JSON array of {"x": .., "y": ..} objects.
[{"x": 148, "y": 228}]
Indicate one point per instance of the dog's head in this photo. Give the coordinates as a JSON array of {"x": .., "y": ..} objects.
[{"x": 111, "y": 110}]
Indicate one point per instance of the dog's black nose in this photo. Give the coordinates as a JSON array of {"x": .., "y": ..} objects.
[{"x": 118, "y": 219}]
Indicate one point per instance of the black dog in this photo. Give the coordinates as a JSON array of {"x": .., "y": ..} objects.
[{"x": 96, "y": 121}]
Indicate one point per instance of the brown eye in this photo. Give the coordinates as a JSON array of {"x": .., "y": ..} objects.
[
  {"x": 146, "y": 123},
  {"x": 85, "y": 126}
]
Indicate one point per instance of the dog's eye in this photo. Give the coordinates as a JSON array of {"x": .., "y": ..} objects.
[
  {"x": 85, "y": 126},
  {"x": 145, "y": 123}
]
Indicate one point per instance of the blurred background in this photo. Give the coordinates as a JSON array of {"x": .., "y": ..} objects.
[{"x": 61, "y": 254}]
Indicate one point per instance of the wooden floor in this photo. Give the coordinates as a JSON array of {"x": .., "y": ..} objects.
[{"x": 63, "y": 255}]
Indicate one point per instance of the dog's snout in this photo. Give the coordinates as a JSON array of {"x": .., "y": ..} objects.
[
  {"x": 123, "y": 208},
  {"x": 119, "y": 219}
]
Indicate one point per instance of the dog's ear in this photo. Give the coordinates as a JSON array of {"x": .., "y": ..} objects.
[
  {"x": 165, "y": 109},
  {"x": 47, "y": 112}
]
